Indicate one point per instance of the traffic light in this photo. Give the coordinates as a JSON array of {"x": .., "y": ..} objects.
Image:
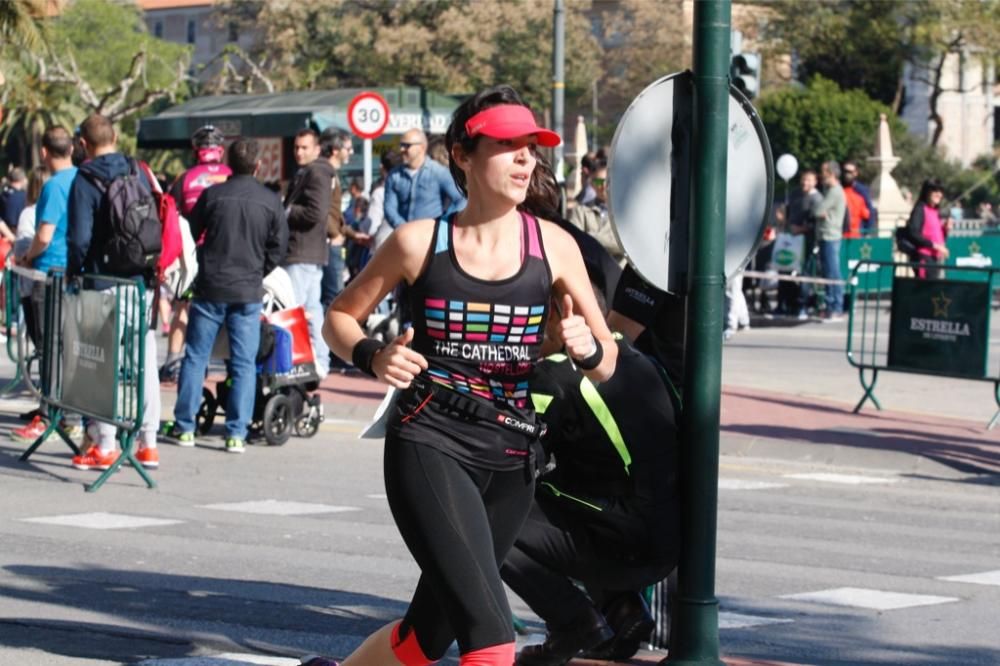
[{"x": 744, "y": 72}]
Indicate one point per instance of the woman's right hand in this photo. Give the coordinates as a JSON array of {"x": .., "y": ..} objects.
[
  {"x": 941, "y": 251},
  {"x": 397, "y": 364}
]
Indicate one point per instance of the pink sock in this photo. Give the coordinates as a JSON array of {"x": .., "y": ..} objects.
[
  {"x": 408, "y": 650},
  {"x": 495, "y": 655}
]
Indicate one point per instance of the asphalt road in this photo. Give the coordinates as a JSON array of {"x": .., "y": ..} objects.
[{"x": 285, "y": 551}]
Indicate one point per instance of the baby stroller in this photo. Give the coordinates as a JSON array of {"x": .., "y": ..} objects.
[{"x": 285, "y": 400}]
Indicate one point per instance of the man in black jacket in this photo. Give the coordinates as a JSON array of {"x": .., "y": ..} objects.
[
  {"x": 607, "y": 515},
  {"x": 308, "y": 206},
  {"x": 246, "y": 236}
]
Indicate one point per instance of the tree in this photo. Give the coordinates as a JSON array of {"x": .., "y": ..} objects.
[
  {"x": 822, "y": 122},
  {"x": 142, "y": 71},
  {"x": 941, "y": 29},
  {"x": 20, "y": 23},
  {"x": 854, "y": 43},
  {"x": 644, "y": 43},
  {"x": 32, "y": 105},
  {"x": 869, "y": 44},
  {"x": 98, "y": 58},
  {"x": 641, "y": 42},
  {"x": 452, "y": 46}
]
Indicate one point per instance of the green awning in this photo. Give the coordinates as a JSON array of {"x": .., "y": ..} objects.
[{"x": 284, "y": 114}]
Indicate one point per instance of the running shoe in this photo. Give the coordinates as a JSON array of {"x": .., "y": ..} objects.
[
  {"x": 29, "y": 433},
  {"x": 170, "y": 372},
  {"x": 148, "y": 458},
  {"x": 170, "y": 430},
  {"x": 234, "y": 445},
  {"x": 74, "y": 432},
  {"x": 94, "y": 459}
]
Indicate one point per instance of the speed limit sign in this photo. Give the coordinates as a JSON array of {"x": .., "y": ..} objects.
[{"x": 368, "y": 115}]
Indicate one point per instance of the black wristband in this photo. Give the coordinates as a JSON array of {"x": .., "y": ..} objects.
[
  {"x": 594, "y": 360},
  {"x": 363, "y": 354}
]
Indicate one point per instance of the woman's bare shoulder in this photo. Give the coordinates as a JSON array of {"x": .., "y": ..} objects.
[
  {"x": 414, "y": 236},
  {"x": 556, "y": 238}
]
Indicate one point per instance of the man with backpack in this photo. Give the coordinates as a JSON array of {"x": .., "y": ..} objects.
[{"x": 114, "y": 229}]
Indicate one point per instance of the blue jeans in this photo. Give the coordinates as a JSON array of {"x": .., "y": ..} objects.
[
  {"x": 829, "y": 257},
  {"x": 333, "y": 276},
  {"x": 307, "y": 282},
  {"x": 205, "y": 318}
]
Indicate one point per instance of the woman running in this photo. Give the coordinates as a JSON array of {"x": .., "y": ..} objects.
[{"x": 459, "y": 453}]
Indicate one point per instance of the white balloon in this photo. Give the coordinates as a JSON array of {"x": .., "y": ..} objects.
[{"x": 787, "y": 166}]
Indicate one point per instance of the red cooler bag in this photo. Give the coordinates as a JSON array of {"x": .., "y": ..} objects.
[{"x": 294, "y": 321}]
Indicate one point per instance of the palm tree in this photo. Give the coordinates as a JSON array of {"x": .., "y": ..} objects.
[
  {"x": 19, "y": 23},
  {"x": 32, "y": 105},
  {"x": 21, "y": 31}
]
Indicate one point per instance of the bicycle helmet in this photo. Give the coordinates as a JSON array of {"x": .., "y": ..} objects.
[
  {"x": 208, "y": 144},
  {"x": 206, "y": 137}
]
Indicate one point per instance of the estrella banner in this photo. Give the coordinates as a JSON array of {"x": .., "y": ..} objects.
[{"x": 940, "y": 326}]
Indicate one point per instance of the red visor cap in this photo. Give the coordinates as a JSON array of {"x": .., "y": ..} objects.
[{"x": 509, "y": 121}]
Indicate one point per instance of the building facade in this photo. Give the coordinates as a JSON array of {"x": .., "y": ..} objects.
[
  {"x": 969, "y": 105},
  {"x": 198, "y": 24}
]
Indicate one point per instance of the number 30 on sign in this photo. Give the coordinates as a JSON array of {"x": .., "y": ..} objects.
[{"x": 368, "y": 115}]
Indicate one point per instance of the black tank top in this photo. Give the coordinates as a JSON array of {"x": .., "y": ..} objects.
[{"x": 482, "y": 339}]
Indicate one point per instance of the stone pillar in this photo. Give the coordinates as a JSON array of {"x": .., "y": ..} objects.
[{"x": 892, "y": 207}]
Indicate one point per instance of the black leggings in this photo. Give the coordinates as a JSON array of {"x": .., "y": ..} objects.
[{"x": 458, "y": 522}]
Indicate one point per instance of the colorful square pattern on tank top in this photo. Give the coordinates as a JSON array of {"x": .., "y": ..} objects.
[
  {"x": 495, "y": 323},
  {"x": 483, "y": 322}
]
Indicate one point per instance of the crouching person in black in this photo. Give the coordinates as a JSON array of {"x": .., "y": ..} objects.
[{"x": 606, "y": 510}]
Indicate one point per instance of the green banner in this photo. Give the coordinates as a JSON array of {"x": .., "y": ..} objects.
[
  {"x": 869, "y": 278},
  {"x": 940, "y": 326},
  {"x": 975, "y": 251}
]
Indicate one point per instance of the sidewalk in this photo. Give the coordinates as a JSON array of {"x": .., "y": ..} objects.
[
  {"x": 771, "y": 424},
  {"x": 755, "y": 422},
  {"x": 766, "y": 424}
]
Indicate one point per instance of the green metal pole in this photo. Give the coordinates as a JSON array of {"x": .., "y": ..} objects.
[
  {"x": 559, "y": 93},
  {"x": 694, "y": 636}
]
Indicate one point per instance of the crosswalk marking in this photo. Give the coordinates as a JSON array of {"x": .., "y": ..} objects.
[
  {"x": 746, "y": 484},
  {"x": 729, "y": 620},
  {"x": 849, "y": 479},
  {"x": 984, "y": 578},
  {"x": 273, "y": 507},
  {"x": 223, "y": 659},
  {"x": 102, "y": 521},
  {"x": 857, "y": 597}
]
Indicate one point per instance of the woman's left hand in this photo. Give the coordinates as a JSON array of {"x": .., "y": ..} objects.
[{"x": 576, "y": 337}]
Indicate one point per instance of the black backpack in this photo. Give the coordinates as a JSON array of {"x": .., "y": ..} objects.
[
  {"x": 133, "y": 232},
  {"x": 905, "y": 244}
]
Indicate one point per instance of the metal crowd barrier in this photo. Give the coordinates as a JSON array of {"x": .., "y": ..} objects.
[
  {"x": 15, "y": 326},
  {"x": 934, "y": 326},
  {"x": 93, "y": 348},
  {"x": 27, "y": 358}
]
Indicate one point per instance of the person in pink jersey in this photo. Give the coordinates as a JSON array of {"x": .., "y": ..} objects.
[{"x": 209, "y": 150}]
